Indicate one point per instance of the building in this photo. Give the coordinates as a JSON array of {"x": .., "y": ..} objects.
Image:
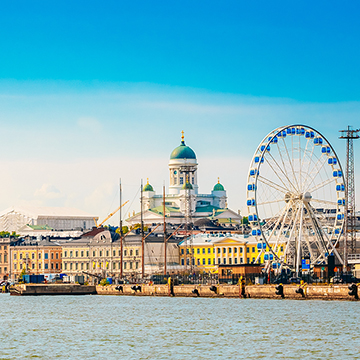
[
  {"x": 183, "y": 193},
  {"x": 98, "y": 252},
  {"x": 4, "y": 258},
  {"x": 56, "y": 218},
  {"x": 207, "y": 252},
  {"x": 35, "y": 257}
]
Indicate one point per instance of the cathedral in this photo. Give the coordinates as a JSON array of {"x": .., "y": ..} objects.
[{"x": 184, "y": 195}]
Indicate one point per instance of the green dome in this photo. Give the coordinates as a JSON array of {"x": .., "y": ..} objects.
[
  {"x": 187, "y": 185},
  {"x": 148, "y": 187},
  {"x": 183, "y": 151},
  {"x": 218, "y": 187}
]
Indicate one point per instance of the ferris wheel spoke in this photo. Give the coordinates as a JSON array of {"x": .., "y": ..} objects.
[
  {"x": 281, "y": 170},
  {"x": 272, "y": 184},
  {"x": 316, "y": 224},
  {"x": 291, "y": 163},
  {"x": 324, "y": 201},
  {"x": 281, "y": 229},
  {"x": 321, "y": 185},
  {"x": 295, "y": 217},
  {"x": 317, "y": 169},
  {"x": 270, "y": 202}
]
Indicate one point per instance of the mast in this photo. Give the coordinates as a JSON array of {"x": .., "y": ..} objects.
[
  {"x": 121, "y": 236},
  {"x": 165, "y": 255},
  {"x": 142, "y": 232}
]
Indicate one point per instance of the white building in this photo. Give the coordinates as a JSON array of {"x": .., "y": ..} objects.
[
  {"x": 183, "y": 176},
  {"x": 57, "y": 218}
]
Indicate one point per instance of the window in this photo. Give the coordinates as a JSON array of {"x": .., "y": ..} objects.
[
  {"x": 230, "y": 261},
  {"x": 57, "y": 255},
  {"x": 82, "y": 254},
  {"x": 136, "y": 252},
  {"x": 94, "y": 254},
  {"x": 0, "y": 270},
  {"x": 187, "y": 261},
  {"x": 56, "y": 266},
  {"x": 52, "y": 266},
  {"x": 46, "y": 256},
  {"x": 65, "y": 253},
  {"x": 71, "y": 253},
  {"x": 181, "y": 180},
  {"x": 219, "y": 261},
  {"x": 131, "y": 253},
  {"x": 65, "y": 266},
  {"x": 52, "y": 256},
  {"x": 209, "y": 250},
  {"x": 76, "y": 253},
  {"x": 137, "y": 264},
  {"x": 46, "y": 266},
  {"x": 119, "y": 253},
  {"x": 198, "y": 261},
  {"x": 203, "y": 261},
  {"x": 235, "y": 261},
  {"x": 241, "y": 260},
  {"x": 14, "y": 266},
  {"x": 281, "y": 248},
  {"x": 87, "y": 266},
  {"x": 241, "y": 250},
  {"x": 131, "y": 265},
  {"x": 125, "y": 252},
  {"x": 114, "y": 253},
  {"x": 20, "y": 256},
  {"x": 198, "y": 251},
  {"x": 39, "y": 266},
  {"x": 39, "y": 256},
  {"x": 33, "y": 256},
  {"x": 253, "y": 260},
  {"x": 224, "y": 261},
  {"x": 107, "y": 252},
  {"x": 203, "y": 250},
  {"x": 247, "y": 250},
  {"x": 114, "y": 266},
  {"x": 182, "y": 251},
  {"x": 229, "y": 250},
  {"x": 209, "y": 261},
  {"x": 248, "y": 260},
  {"x": 193, "y": 181},
  {"x": 253, "y": 249},
  {"x": 0, "y": 259},
  {"x": 100, "y": 253},
  {"x": 193, "y": 261},
  {"x": 76, "y": 266},
  {"x": 87, "y": 253},
  {"x": 124, "y": 265},
  {"x": 219, "y": 250},
  {"x": 187, "y": 251},
  {"x": 33, "y": 266},
  {"x": 5, "y": 258},
  {"x": 70, "y": 266},
  {"x": 15, "y": 256},
  {"x": 5, "y": 268},
  {"x": 235, "y": 250}
]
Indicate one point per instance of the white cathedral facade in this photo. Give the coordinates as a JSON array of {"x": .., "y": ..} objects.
[{"x": 183, "y": 176}]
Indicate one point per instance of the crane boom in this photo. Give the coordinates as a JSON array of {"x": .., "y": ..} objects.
[{"x": 113, "y": 213}]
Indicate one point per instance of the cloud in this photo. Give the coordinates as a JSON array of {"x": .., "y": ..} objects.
[{"x": 48, "y": 192}]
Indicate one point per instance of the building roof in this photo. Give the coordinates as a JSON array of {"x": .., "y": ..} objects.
[
  {"x": 218, "y": 186},
  {"x": 148, "y": 187},
  {"x": 55, "y": 212}
]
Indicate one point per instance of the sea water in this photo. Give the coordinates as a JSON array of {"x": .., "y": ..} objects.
[{"x": 130, "y": 327}]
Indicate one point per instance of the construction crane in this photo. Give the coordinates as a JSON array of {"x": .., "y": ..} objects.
[{"x": 110, "y": 215}]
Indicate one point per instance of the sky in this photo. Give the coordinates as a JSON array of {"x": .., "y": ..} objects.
[{"x": 91, "y": 92}]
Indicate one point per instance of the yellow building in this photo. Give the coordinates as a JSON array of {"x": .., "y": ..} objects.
[{"x": 208, "y": 251}]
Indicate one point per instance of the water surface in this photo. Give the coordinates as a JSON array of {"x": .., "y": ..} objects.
[{"x": 125, "y": 327}]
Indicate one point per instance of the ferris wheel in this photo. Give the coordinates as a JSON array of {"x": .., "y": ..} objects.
[{"x": 296, "y": 198}]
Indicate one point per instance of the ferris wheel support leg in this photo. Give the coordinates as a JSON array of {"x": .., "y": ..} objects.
[{"x": 298, "y": 257}]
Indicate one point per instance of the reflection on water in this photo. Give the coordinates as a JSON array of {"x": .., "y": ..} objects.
[{"x": 115, "y": 327}]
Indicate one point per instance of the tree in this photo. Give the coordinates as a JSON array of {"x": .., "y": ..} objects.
[{"x": 245, "y": 220}]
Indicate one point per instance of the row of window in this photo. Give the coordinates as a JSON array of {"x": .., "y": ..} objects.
[
  {"x": 229, "y": 250},
  {"x": 33, "y": 255},
  {"x": 100, "y": 252},
  {"x": 5, "y": 270},
  {"x": 5, "y": 258},
  {"x": 3, "y": 247},
  {"x": 53, "y": 266},
  {"x": 212, "y": 261},
  {"x": 115, "y": 266}
]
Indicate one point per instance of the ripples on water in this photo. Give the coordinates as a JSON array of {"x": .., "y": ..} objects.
[{"x": 119, "y": 327}]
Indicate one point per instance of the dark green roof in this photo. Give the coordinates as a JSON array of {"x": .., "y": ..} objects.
[
  {"x": 148, "y": 187},
  {"x": 208, "y": 209},
  {"x": 168, "y": 209},
  {"x": 183, "y": 152},
  {"x": 218, "y": 187}
]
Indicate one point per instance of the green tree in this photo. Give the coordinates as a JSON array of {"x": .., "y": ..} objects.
[{"x": 245, "y": 220}]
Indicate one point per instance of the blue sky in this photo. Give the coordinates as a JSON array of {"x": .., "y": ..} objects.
[{"x": 93, "y": 91}]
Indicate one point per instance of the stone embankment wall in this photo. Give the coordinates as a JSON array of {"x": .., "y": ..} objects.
[
  {"x": 321, "y": 292},
  {"x": 52, "y": 289}
]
